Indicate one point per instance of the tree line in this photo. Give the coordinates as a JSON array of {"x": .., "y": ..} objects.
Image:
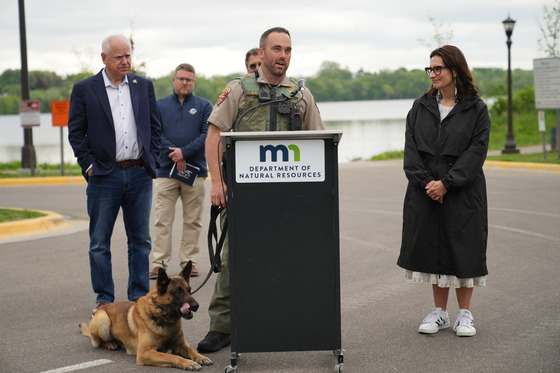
[{"x": 331, "y": 83}]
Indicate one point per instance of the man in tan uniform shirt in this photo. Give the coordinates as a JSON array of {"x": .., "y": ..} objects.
[{"x": 275, "y": 50}]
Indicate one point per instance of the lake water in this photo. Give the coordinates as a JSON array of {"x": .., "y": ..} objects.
[{"x": 369, "y": 128}]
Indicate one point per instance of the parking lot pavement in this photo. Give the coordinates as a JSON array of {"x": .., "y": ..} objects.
[{"x": 46, "y": 292}]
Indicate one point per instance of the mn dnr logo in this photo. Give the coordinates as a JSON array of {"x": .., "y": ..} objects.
[
  {"x": 283, "y": 150},
  {"x": 279, "y": 161}
]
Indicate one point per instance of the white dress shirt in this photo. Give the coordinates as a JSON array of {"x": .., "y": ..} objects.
[{"x": 126, "y": 135}]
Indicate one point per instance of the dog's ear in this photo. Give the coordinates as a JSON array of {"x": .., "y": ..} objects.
[
  {"x": 162, "y": 281},
  {"x": 186, "y": 272}
]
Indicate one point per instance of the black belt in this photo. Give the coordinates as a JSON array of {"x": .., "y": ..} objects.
[{"x": 128, "y": 163}]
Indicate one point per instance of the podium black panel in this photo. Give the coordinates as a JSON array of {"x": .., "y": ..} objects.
[{"x": 284, "y": 253}]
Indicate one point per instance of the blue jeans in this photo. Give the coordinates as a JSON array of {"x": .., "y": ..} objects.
[{"x": 130, "y": 189}]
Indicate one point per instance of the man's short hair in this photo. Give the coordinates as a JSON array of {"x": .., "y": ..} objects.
[
  {"x": 269, "y": 31},
  {"x": 185, "y": 66},
  {"x": 106, "y": 43}
]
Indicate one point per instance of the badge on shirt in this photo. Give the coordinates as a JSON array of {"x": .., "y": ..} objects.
[
  {"x": 222, "y": 97},
  {"x": 192, "y": 111}
]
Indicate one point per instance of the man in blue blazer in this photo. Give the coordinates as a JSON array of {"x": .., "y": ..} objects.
[{"x": 114, "y": 130}]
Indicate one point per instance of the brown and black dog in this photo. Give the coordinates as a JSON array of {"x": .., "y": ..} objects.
[{"x": 151, "y": 327}]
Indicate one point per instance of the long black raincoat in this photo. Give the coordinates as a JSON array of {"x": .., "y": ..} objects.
[{"x": 448, "y": 238}]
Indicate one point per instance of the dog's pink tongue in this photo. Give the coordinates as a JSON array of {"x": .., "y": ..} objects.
[{"x": 185, "y": 308}]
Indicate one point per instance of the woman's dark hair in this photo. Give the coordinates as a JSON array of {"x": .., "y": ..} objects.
[{"x": 454, "y": 59}]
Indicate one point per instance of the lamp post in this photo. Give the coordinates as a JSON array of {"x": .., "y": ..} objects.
[
  {"x": 28, "y": 156},
  {"x": 509, "y": 147}
]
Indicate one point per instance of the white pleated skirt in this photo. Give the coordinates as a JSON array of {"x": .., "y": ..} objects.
[{"x": 445, "y": 281}]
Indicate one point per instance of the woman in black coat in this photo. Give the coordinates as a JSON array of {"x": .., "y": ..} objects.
[{"x": 445, "y": 220}]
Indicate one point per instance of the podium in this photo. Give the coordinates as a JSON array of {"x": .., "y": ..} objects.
[{"x": 283, "y": 231}]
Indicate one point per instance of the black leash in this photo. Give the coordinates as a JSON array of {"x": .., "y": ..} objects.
[{"x": 215, "y": 257}]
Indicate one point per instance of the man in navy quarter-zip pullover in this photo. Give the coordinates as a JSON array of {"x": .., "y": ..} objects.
[{"x": 183, "y": 117}]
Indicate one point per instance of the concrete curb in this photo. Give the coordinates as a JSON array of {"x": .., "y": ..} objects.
[
  {"x": 52, "y": 221},
  {"x": 47, "y": 180},
  {"x": 534, "y": 166}
]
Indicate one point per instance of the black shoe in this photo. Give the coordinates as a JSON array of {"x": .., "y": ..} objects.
[{"x": 214, "y": 341}]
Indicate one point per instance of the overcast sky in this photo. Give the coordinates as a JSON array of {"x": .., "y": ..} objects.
[{"x": 65, "y": 36}]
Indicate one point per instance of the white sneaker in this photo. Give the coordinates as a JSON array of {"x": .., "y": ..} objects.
[
  {"x": 435, "y": 321},
  {"x": 464, "y": 326}
]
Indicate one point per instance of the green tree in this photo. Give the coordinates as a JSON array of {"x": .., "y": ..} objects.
[
  {"x": 9, "y": 104},
  {"x": 163, "y": 86},
  {"x": 44, "y": 80},
  {"x": 525, "y": 120},
  {"x": 10, "y": 82},
  {"x": 10, "y": 77},
  {"x": 331, "y": 83}
]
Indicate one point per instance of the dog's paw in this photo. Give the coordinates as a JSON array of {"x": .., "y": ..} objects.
[
  {"x": 191, "y": 365},
  {"x": 202, "y": 360},
  {"x": 112, "y": 345}
]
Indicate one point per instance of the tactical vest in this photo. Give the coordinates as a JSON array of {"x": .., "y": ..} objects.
[{"x": 279, "y": 116}]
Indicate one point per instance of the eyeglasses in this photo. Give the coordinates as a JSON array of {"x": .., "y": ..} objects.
[
  {"x": 435, "y": 69},
  {"x": 254, "y": 65},
  {"x": 183, "y": 80}
]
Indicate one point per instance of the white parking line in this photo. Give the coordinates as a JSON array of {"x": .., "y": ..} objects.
[
  {"x": 85, "y": 365},
  {"x": 528, "y": 233}
]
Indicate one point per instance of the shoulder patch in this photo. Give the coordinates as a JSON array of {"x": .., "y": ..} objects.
[{"x": 223, "y": 95}]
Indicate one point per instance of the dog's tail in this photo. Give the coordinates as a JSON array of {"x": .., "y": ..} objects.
[{"x": 84, "y": 329}]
